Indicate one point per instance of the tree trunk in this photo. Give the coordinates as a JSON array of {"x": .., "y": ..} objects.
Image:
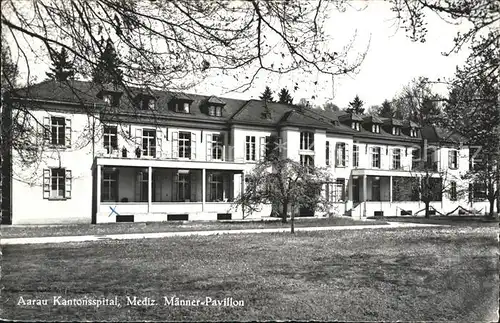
[
  {"x": 292, "y": 220},
  {"x": 285, "y": 211},
  {"x": 427, "y": 213},
  {"x": 492, "y": 208}
]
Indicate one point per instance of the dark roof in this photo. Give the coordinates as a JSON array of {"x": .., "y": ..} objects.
[
  {"x": 372, "y": 119},
  {"x": 295, "y": 118},
  {"x": 350, "y": 117},
  {"x": 392, "y": 121},
  {"x": 437, "y": 134},
  {"x": 254, "y": 112},
  {"x": 411, "y": 124}
]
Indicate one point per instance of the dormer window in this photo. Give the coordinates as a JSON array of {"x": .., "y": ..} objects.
[
  {"x": 146, "y": 103},
  {"x": 375, "y": 128},
  {"x": 183, "y": 107},
  {"x": 355, "y": 125},
  {"x": 413, "y": 132},
  {"x": 396, "y": 131},
  {"x": 214, "y": 111},
  {"x": 111, "y": 99}
]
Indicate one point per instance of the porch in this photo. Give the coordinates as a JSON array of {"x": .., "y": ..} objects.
[
  {"x": 165, "y": 191},
  {"x": 386, "y": 193}
]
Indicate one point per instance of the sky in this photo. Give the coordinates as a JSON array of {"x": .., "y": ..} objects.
[{"x": 392, "y": 60}]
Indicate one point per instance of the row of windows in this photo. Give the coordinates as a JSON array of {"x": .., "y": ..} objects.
[
  {"x": 183, "y": 187},
  {"x": 396, "y": 131}
]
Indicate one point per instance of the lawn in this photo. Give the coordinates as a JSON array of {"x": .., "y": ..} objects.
[
  {"x": 425, "y": 274},
  {"x": 146, "y": 227},
  {"x": 460, "y": 220}
]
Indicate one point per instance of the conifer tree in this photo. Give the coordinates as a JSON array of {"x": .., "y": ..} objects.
[
  {"x": 267, "y": 95},
  {"x": 356, "y": 106},
  {"x": 108, "y": 67},
  {"x": 285, "y": 97},
  {"x": 62, "y": 68}
]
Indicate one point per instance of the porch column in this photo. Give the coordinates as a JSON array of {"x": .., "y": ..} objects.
[
  {"x": 390, "y": 189},
  {"x": 350, "y": 196},
  {"x": 203, "y": 188},
  {"x": 150, "y": 187},
  {"x": 364, "y": 195},
  {"x": 242, "y": 192},
  {"x": 98, "y": 189}
]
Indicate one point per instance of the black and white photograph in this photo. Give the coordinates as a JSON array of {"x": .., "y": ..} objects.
[{"x": 233, "y": 161}]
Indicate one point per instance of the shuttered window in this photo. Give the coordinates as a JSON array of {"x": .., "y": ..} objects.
[{"x": 57, "y": 183}]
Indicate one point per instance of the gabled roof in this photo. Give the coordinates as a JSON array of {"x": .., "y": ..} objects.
[
  {"x": 437, "y": 134},
  {"x": 392, "y": 121},
  {"x": 350, "y": 117},
  {"x": 295, "y": 118},
  {"x": 182, "y": 96},
  {"x": 373, "y": 119},
  {"x": 411, "y": 124}
]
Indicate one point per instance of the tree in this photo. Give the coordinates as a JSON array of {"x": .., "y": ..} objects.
[
  {"x": 287, "y": 185},
  {"x": 355, "y": 106},
  {"x": 483, "y": 16},
  {"x": 62, "y": 68},
  {"x": 330, "y": 106},
  {"x": 285, "y": 97},
  {"x": 472, "y": 110},
  {"x": 427, "y": 183},
  {"x": 304, "y": 103},
  {"x": 177, "y": 44},
  {"x": 267, "y": 95},
  {"x": 418, "y": 103},
  {"x": 108, "y": 69}
]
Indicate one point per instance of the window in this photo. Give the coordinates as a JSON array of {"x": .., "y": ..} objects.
[
  {"x": 216, "y": 147},
  {"x": 56, "y": 183},
  {"x": 478, "y": 192},
  {"x": 184, "y": 144},
  {"x": 250, "y": 148},
  {"x": 339, "y": 190},
  {"x": 182, "y": 182},
  {"x": 111, "y": 99},
  {"x": 396, "y": 158},
  {"x": 306, "y": 141},
  {"x": 415, "y": 157},
  {"x": 58, "y": 126},
  {"x": 453, "y": 191},
  {"x": 327, "y": 153},
  {"x": 453, "y": 159},
  {"x": 146, "y": 103},
  {"x": 216, "y": 188},
  {"x": 110, "y": 138},
  {"x": 376, "y": 189},
  {"x": 306, "y": 160},
  {"x": 214, "y": 111},
  {"x": 375, "y": 128},
  {"x": 396, "y": 131},
  {"x": 355, "y": 156},
  {"x": 270, "y": 145},
  {"x": 211, "y": 110},
  {"x": 109, "y": 187},
  {"x": 149, "y": 142},
  {"x": 413, "y": 132},
  {"x": 341, "y": 155},
  {"x": 355, "y": 125},
  {"x": 376, "y": 157}
]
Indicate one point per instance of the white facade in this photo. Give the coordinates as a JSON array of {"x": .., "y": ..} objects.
[{"x": 107, "y": 183}]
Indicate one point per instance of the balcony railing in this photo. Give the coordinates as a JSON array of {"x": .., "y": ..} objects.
[{"x": 166, "y": 155}]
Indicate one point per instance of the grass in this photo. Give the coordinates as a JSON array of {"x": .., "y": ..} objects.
[
  {"x": 445, "y": 220},
  {"x": 428, "y": 274},
  {"x": 145, "y": 227}
]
